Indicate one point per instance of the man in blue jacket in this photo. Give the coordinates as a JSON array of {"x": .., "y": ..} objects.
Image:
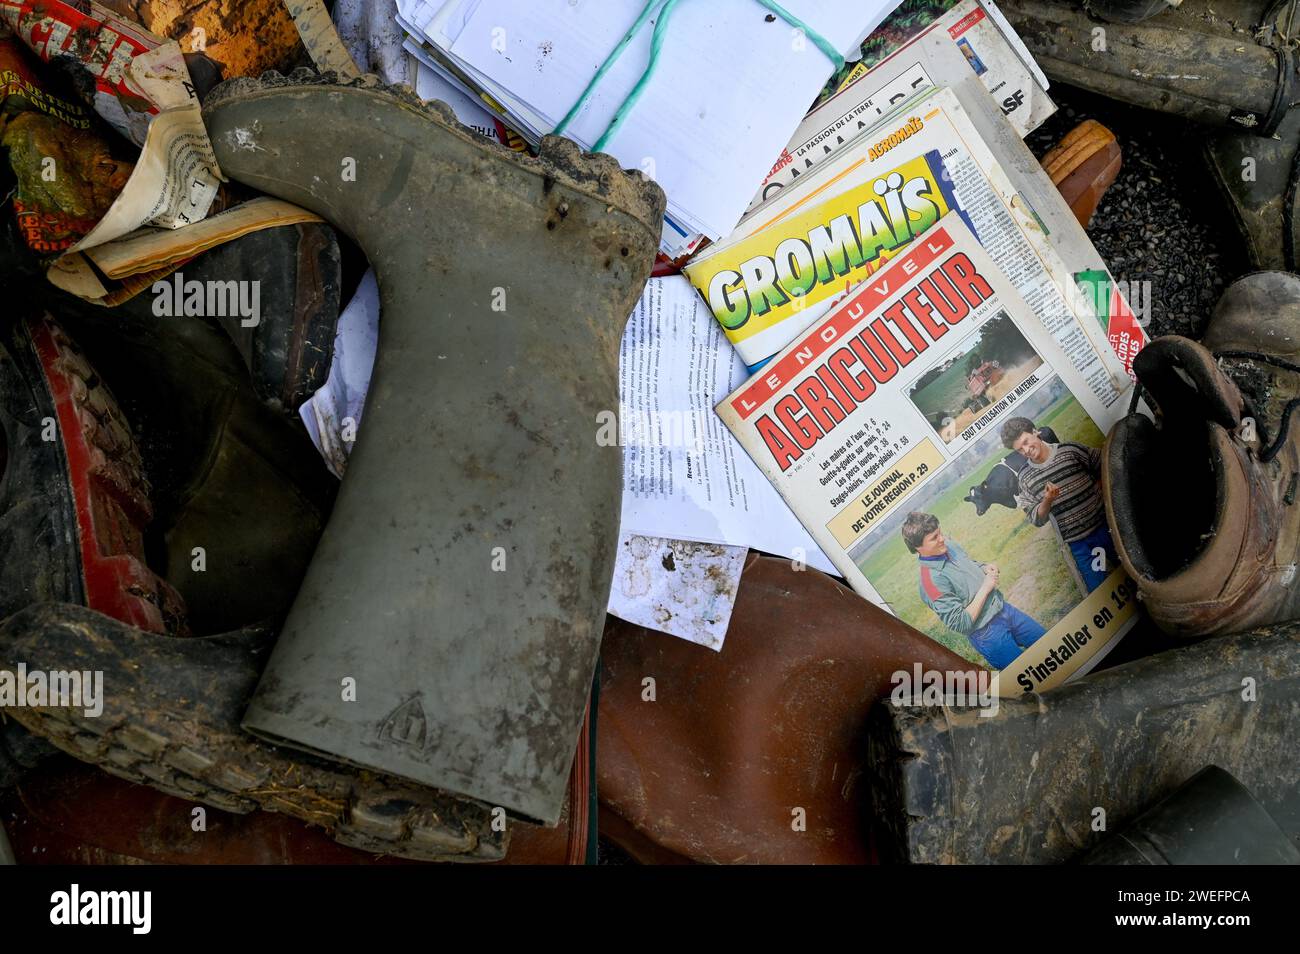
[{"x": 965, "y": 595}]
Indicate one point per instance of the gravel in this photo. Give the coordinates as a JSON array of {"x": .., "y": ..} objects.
[{"x": 1155, "y": 223}]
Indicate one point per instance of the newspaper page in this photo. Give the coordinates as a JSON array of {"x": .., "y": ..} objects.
[
  {"x": 912, "y": 18},
  {"x": 782, "y": 271},
  {"x": 976, "y": 35},
  {"x": 963, "y": 44},
  {"x": 944, "y": 452},
  {"x": 908, "y": 20},
  {"x": 143, "y": 89},
  {"x": 684, "y": 475}
]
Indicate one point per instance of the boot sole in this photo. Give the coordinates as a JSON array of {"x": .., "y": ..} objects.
[
  {"x": 170, "y": 720},
  {"x": 381, "y": 817},
  {"x": 109, "y": 490},
  {"x": 74, "y": 506}
]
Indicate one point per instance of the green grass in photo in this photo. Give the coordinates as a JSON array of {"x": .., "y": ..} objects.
[{"x": 1034, "y": 575}]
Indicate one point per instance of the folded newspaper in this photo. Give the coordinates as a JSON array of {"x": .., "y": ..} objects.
[
  {"x": 956, "y": 18},
  {"x": 943, "y": 450},
  {"x": 966, "y": 47},
  {"x": 792, "y": 258},
  {"x": 142, "y": 88}
]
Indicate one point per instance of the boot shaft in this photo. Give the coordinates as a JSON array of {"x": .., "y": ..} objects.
[
  {"x": 463, "y": 577},
  {"x": 1188, "y": 61},
  {"x": 957, "y": 787}
]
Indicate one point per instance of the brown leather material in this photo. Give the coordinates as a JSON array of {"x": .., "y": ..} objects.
[
  {"x": 1187, "y": 384},
  {"x": 1083, "y": 165},
  {"x": 714, "y": 768},
  {"x": 1222, "y": 583},
  {"x": 1203, "y": 508},
  {"x": 640, "y": 846},
  {"x": 57, "y": 816}
]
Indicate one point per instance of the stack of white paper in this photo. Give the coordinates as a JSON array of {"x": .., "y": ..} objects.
[{"x": 733, "y": 82}]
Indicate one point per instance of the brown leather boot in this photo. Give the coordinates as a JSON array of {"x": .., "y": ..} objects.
[
  {"x": 1082, "y": 166},
  {"x": 1202, "y": 504},
  {"x": 753, "y": 754}
]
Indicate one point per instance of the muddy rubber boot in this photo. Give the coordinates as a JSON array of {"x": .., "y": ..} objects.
[
  {"x": 1082, "y": 166},
  {"x": 1222, "y": 62},
  {"x": 1259, "y": 180},
  {"x": 1028, "y": 785},
  {"x": 74, "y": 499},
  {"x": 1211, "y": 820},
  {"x": 736, "y": 740},
  {"x": 170, "y": 720},
  {"x": 75, "y": 503},
  {"x": 1202, "y": 506},
  {"x": 505, "y": 283},
  {"x": 1127, "y": 11},
  {"x": 288, "y": 344}
]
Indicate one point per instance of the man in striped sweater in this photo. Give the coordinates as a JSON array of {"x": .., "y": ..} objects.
[{"x": 1061, "y": 482}]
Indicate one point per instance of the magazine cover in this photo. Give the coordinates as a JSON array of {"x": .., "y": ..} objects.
[
  {"x": 964, "y": 49},
  {"x": 766, "y": 288},
  {"x": 973, "y": 33},
  {"x": 944, "y": 453},
  {"x": 746, "y": 280}
]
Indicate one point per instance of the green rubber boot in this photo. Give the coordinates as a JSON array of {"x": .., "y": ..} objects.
[
  {"x": 1222, "y": 62},
  {"x": 1212, "y": 819},
  {"x": 1042, "y": 780},
  {"x": 461, "y": 583}
]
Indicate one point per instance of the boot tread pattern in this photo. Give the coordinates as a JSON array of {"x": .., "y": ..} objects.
[{"x": 363, "y": 811}]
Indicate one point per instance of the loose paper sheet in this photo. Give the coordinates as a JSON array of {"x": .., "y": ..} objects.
[
  {"x": 676, "y": 587},
  {"x": 731, "y": 85},
  {"x": 685, "y": 476}
]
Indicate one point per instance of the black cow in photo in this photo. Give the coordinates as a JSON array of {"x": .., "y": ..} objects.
[{"x": 1003, "y": 482}]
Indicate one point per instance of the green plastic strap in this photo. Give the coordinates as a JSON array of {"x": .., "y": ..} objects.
[
  {"x": 605, "y": 67},
  {"x": 656, "y": 44},
  {"x": 665, "y": 8}
]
